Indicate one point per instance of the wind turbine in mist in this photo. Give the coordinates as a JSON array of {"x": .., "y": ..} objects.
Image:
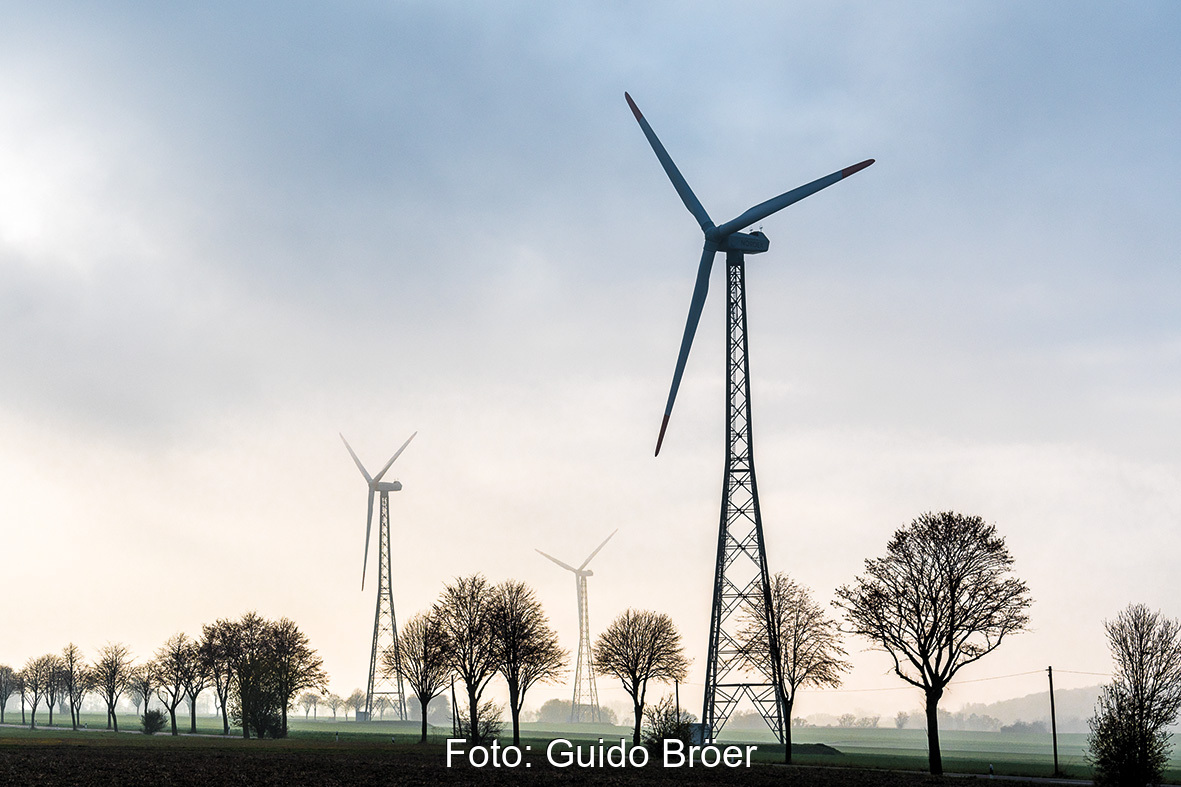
[
  {"x": 741, "y": 578},
  {"x": 584, "y": 669},
  {"x": 385, "y": 622}
]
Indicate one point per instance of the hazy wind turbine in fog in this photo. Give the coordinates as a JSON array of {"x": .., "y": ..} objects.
[
  {"x": 584, "y": 669},
  {"x": 741, "y": 580},
  {"x": 385, "y": 622}
]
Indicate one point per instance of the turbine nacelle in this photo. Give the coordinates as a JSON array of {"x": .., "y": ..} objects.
[
  {"x": 581, "y": 571},
  {"x": 747, "y": 243},
  {"x": 387, "y": 486}
]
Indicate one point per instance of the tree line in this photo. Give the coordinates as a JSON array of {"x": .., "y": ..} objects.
[
  {"x": 477, "y": 631},
  {"x": 941, "y": 597},
  {"x": 254, "y": 666}
]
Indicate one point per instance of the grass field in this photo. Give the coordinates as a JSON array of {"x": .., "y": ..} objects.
[{"x": 372, "y": 744}]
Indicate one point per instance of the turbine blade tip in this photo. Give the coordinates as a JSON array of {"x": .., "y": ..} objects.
[
  {"x": 660, "y": 439},
  {"x": 632, "y": 104},
  {"x": 847, "y": 171}
]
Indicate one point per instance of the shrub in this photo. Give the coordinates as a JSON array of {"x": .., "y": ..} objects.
[
  {"x": 1121, "y": 750},
  {"x": 490, "y": 723},
  {"x": 153, "y": 721},
  {"x": 1129, "y": 744},
  {"x": 662, "y": 722}
]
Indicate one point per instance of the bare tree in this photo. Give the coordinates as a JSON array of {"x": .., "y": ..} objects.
[
  {"x": 112, "y": 674},
  {"x": 214, "y": 650},
  {"x": 356, "y": 703},
  {"x": 254, "y": 699},
  {"x": 22, "y": 688},
  {"x": 1129, "y": 743},
  {"x": 809, "y": 644},
  {"x": 174, "y": 663},
  {"x": 9, "y": 685},
  {"x": 334, "y": 702},
  {"x": 195, "y": 677},
  {"x": 297, "y": 665},
  {"x": 55, "y": 685},
  {"x": 308, "y": 701},
  {"x": 940, "y": 599},
  {"x": 464, "y": 611},
  {"x": 142, "y": 682},
  {"x": 39, "y": 675},
  {"x": 76, "y": 678},
  {"x": 425, "y": 663},
  {"x": 637, "y": 647},
  {"x": 527, "y": 649}
]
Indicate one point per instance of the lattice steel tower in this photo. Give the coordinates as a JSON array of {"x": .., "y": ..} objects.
[
  {"x": 385, "y": 628},
  {"x": 586, "y": 696},
  {"x": 741, "y": 582},
  {"x": 385, "y": 622}
]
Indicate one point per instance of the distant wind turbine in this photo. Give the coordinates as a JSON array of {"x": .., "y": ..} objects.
[
  {"x": 385, "y": 622},
  {"x": 584, "y": 669}
]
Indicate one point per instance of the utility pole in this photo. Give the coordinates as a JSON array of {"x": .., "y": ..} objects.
[{"x": 1053, "y": 720}]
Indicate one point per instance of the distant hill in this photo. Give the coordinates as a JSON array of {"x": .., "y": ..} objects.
[{"x": 1073, "y": 707}]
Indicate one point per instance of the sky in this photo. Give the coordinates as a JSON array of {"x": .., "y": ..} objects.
[{"x": 230, "y": 232}]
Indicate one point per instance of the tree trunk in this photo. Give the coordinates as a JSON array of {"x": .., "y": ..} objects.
[
  {"x": 114, "y": 719},
  {"x": 172, "y": 715},
  {"x": 225, "y": 716},
  {"x": 787, "y": 703},
  {"x": 283, "y": 734},
  {"x": 424, "y": 704},
  {"x": 933, "y": 753},
  {"x": 473, "y": 715},
  {"x": 514, "y": 706},
  {"x": 50, "y": 704},
  {"x": 193, "y": 715},
  {"x": 639, "y": 716}
]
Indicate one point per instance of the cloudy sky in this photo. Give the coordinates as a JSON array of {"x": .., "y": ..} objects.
[{"x": 229, "y": 232}]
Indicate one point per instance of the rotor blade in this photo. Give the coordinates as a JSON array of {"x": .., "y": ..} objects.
[
  {"x": 765, "y": 209},
  {"x": 368, "y": 525},
  {"x": 360, "y": 466},
  {"x": 670, "y": 169},
  {"x": 394, "y": 457},
  {"x": 592, "y": 554},
  {"x": 559, "y": 562},
  {"x": 700, "y": 289}
]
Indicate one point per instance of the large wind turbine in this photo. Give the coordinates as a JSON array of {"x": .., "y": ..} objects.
[
  {"x": 740, "y": 575},
  {"x": 385, "y": 622},
  {"x": 585, "y": 692}
]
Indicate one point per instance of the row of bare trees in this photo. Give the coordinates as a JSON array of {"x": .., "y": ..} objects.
[
  {"x": 254, "y": 666},
  {"x": 310, "y": 701},
  {"x": 474, "y": 632},
  {"x": 477, "y": 630}
]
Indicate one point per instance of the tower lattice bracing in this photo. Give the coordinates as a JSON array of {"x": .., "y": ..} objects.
[
  {"x": 741, "y": 581},
  {"x": 585, "y": 705},
  {"x": 385, "y": 629}
]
